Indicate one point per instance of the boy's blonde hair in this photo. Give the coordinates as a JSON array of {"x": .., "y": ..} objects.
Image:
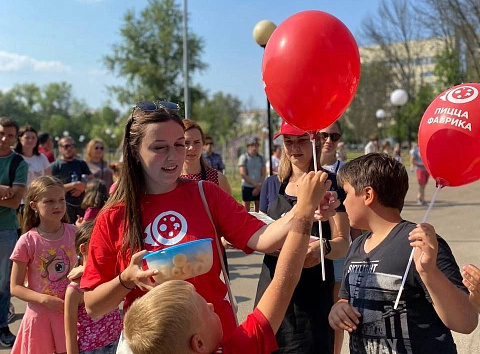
[
  {"x": 38, "y": 186},
  {"x": 164, "y": 320}
]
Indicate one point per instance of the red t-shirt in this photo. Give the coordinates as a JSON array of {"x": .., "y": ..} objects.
[
  {"x": 173, "y": 218},
  {"x": 254, "y": 336}
]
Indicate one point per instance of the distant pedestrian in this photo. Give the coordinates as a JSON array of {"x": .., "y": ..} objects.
[
  {"x": 372, "y": 145},
  {"x": 213, "y": 158},
  {"x": 251, "y": 166},
  {"x": 95, "y": 159},
  {"x": 28, "y": 147},
  {"x": 45, "y": 146},
  {"x": 421, "y": 172},
  {"x": 387, "y": 148},
  {"x": 276, "y": 155},
  {"x": 341, "y": 152},
  {"x": 74, "y": 174},
  {"x": 397, "y": 153}
]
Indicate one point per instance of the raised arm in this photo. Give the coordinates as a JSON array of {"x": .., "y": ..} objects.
[
  {"x": 451, "y": 304},
  {"x": 276, "y": 298}
]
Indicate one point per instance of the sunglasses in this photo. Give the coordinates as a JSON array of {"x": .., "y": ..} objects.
[
  {"x": 152, "y": 106},
  {"x": 67, "y": 146},
  {"x": 334, "y": 136},
  {"x": 99, "y": 148}
]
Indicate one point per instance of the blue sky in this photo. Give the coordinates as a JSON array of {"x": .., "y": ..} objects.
[{"x": 65, "y": 40}]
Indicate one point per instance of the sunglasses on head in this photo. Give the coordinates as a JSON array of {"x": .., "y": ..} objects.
[
  {"x": 152, "y": 106},
  {"x": 333, "y": 136},
  {"x": 67, "y": 146}
]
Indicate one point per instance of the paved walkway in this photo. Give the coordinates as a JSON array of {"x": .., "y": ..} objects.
[{"x": 456, "y": 217}]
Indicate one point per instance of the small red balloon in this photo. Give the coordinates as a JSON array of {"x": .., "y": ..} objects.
[
  {"x": 311, "y": 69},
  {"x": 449, "y": 136}
]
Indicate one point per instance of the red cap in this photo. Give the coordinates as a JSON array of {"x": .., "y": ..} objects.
[{"x": 288, "y": 129}]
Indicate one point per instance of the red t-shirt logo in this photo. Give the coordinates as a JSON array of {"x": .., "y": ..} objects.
[{"x": 168, "y": 228}]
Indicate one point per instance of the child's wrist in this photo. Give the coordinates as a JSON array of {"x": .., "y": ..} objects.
[{"x": 430, "y": 274}]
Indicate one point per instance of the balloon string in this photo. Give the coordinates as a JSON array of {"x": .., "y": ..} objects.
[
  {"x": 320, "y": 232},
  {"x": 430, "y": 206}
]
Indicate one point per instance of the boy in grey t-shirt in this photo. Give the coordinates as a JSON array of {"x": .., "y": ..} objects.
[{"x": 251, "y": 166}]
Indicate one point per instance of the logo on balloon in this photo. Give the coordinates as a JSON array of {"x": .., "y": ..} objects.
[
  {"x": 168, "y": 228},
  {"x": 448, "y": 136},
  {"x": 460, "y": 95}
]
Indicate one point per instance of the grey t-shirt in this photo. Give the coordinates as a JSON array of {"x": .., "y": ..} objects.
[{"x": 254, "y": 165}]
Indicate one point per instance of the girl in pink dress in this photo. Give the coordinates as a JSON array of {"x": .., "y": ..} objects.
[
  {"x": 45, "y": 253},
  {"x": 83, "y": 334}
]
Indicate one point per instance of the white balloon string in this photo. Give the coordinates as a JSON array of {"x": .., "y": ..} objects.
[
  {"x": 320, "y": 233},
  {"x": 430, "y": 206}
]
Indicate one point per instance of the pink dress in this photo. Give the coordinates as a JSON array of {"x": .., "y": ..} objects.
[
  {"x": 49, "y": 262},
  {"x": 93, "y": 334}
]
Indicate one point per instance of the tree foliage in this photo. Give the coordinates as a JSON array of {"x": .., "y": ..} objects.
[{"x": 150, "y": 54}]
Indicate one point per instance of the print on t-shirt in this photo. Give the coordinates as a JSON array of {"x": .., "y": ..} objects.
[
  {"x": 382, "y": 328},
  {"x": 168, "y": 228},
  {"x": 54, "y": 266}
]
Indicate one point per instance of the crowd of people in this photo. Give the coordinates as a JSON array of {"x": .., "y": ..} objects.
[{"x": 86, "y": 225}]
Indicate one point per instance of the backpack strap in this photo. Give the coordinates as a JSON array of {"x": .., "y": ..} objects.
[{"x": 17, "y": 159}]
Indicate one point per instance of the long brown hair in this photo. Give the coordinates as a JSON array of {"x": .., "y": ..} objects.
[
  {"x": 285, "y": 166},
  {"x": 21, "y": 132},
  {"x": 131, "y": 184},
  {"x": 191, "y": 124},
  {"x": 38, "y": 186}
]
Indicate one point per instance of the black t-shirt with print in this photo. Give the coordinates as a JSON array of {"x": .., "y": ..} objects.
[
  {"x": 371, "y": 282},
  {"x": 63, "y": 170}
]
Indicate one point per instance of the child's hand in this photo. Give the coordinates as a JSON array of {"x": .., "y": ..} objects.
[
  {"x": 53, "y": 303},
  {"x": 76, "y": 273},
  {"x": 424, "y": 238},
  {"x": 79, "y": 222},
  {"x": 134, "y": 275},
  {"x": 471, "y": 279},
  {"x": 311, "y": 191},
  {"x": 313, "y": 255},
  {"x": 327, "y": 206},
  {"x": 343, "y": 316}
]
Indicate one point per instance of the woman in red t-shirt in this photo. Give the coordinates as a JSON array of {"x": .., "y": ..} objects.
[{"x": 152, "y": 208}]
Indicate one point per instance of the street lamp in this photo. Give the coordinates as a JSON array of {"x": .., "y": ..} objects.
[
  {"x": 380, "y": 114},
  {"x": 399, "y": 98},
  {"x": 261, "y": 33},
  {"x": 66, "y": 133}
]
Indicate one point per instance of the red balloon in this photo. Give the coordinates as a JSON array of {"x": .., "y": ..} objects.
[
  {"x": 311, "y": 69},
  {"x": 449, "y": 136}
]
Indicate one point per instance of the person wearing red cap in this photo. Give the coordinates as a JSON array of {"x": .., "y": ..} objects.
[{"x": 305, "y": 328}]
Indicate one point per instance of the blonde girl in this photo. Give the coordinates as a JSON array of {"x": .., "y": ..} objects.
[
  {"x": 45, "y": 253},
  {"x": 83, "y": 334}
]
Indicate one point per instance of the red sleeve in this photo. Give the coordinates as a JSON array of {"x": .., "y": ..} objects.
[
  {"x": 103, "y": 250},
  {"x": 231, "y": 218},
  {"x": 254, "y": 336}
]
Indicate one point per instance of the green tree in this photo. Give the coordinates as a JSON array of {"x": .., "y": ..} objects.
[
  {"x": 219, "y": 116},
  {"x": 150, "y": 54},
  {"x": 447, "y": 69}
]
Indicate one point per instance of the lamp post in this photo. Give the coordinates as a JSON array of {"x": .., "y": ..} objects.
[
  {"x": 380, "y": 114},
  {"x": 261, "y": 33},
  {"x": 399, "y": 98}
]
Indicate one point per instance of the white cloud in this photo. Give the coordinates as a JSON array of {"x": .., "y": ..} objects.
[
  {"x": 5, "y": 89},
  {"x": 98, "y": 72},
  {"x": 17, "y": 62}
]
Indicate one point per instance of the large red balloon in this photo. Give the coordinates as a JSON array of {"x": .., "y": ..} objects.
[
  {"x": 311, "y": 69},
  {"x": 449, "y": 136}
]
